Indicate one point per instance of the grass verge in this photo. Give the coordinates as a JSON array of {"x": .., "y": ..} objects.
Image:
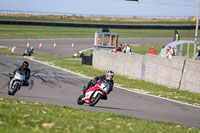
[
  {"x": 6, "y": 50},
  {"x": 22, "y": 117},
  {"x": 39, "y": 32}
]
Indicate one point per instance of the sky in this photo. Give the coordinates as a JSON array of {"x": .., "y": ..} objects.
[{"x": 151, "y": 8}]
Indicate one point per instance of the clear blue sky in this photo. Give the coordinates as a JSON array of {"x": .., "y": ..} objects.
[{"x": 106, "y": 7}]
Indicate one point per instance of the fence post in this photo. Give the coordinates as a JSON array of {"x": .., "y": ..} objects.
[{"x": 143, "y": 67}]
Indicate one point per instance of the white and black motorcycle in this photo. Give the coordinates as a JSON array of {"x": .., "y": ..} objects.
[
  {"x": 28, "y": 52},
  {"x": 16, "y": 82}
]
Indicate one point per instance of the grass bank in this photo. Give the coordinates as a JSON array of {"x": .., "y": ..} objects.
[
  {"x": 22, "y": 117},
  {"x": 40, "y": 32}
]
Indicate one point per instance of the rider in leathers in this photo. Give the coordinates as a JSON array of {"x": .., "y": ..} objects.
[
  {"x": 108, "y": 77},
  {"x": 26, "y": 70}
]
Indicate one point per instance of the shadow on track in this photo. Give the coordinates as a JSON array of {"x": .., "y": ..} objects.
[{"x": 114, "y": 108}]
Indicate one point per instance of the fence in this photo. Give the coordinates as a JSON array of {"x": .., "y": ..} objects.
[{"x": 177, "y": 72}]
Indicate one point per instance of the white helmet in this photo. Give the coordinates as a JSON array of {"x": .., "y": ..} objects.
[{"x": 109, "y": 75}]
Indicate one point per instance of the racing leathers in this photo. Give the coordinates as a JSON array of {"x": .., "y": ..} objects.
[
  {"x": 27, "y": 72},
  {"x": 94, "y": 81}
]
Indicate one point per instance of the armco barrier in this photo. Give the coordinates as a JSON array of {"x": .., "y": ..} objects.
[
  {"x": 78, "y": 25},
  {"x": 176, "y": 72}
]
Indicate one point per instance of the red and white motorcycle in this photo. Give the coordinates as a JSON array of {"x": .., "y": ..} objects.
[{"x": 95, "y": 93}]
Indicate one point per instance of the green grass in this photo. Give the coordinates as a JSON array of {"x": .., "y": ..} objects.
[
  {"x": 38, "y": 32},
  {"x": 88, "y": 53},
  {"x": 22, "y": 117},
  {"x": 6, "y": 50}
]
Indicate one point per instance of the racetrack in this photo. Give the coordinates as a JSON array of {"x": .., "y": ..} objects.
[
  {"x": 55, "y": 86},
  {"x": 64, "y": 46}
]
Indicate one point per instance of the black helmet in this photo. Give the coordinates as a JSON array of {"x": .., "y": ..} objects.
[
  {"x": 25, "y": 64},
  {"x": 109, "y": 75}
]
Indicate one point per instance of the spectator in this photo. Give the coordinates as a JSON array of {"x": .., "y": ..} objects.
[
  {"x": 168, "y": 54},
  {"x": 176, "y": 36},
  {"x": 197, "y": 56},
  {"x": 118, "y": 48},
  {"x": 130, "y": 48},
  {"x": 152, "y": 51},
  {"x": 174, "y": 51},
  {"x": 171, "y": 50},
  {"x": 127, "y": 49},
  {"x": 162, "y": 48}
]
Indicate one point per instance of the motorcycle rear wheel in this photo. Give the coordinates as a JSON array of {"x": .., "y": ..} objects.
[
  {"x": 95, "y": 100},
  {"x": 79, "y": 100}
]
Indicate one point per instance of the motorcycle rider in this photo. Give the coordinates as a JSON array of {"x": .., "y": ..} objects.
[
  {"x": 24, "y": 68},
  {"x": 29, "y": 52},
  {"x": 108, "y": 77}
]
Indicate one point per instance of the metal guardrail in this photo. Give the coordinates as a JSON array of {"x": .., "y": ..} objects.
[{"x": 78, "y": 25}]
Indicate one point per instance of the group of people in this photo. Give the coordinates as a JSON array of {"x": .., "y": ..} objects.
[
  {"x": 169, "y": 52},
  {"x": 125, "y": 48}
]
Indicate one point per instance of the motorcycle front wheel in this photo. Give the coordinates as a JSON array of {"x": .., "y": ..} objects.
[
  {"x": 95, "y": 100},
  {"x": 14, "y": 89},
  {"x": 79, "y": 100}
]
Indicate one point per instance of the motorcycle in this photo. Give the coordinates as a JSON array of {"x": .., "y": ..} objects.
[
  {"x": 95, "y": 93},
  {"x": 16, "y": 82},
  {"x": 28, "y": 52}
]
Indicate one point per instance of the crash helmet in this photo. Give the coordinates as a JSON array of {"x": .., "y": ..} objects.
[
  {"x": 109, "y": 75},
  {"x": 25, "y": 64}
]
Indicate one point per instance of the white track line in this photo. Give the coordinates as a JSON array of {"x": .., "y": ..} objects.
[{"x": 115, "y": 86}]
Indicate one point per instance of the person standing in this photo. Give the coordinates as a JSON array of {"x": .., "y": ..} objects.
[
  {"x": 171, "y": 50},
  {"x": 197, "y": 56},
  {"x": 168, "y": 54},
  {"x": 152, "y": 51},
  {"x": 176, "y": 36},
  {"x": 127, "y": 49}
]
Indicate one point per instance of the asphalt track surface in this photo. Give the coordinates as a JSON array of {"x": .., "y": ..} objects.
[
  {"x": 64, "y": 46},
  {"x": 55, "y": 86}
]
